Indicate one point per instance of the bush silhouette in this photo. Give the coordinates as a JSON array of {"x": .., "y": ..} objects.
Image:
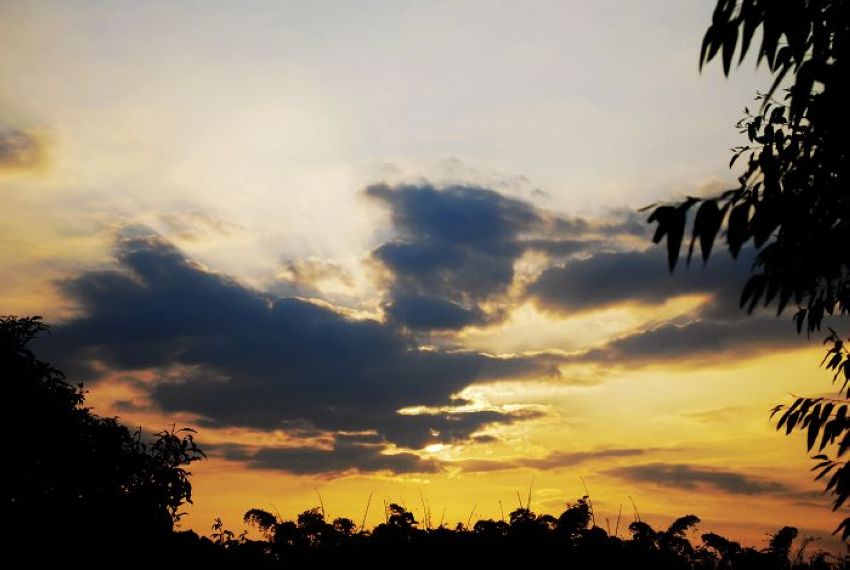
[
  {"x": 792, "y": 201},
  {"x": 95, "y": 484}
]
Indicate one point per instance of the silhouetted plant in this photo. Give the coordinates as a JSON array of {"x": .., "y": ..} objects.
[
  {"x": 792, "y": 199},
  {"x": 400, "y": 517},
  {"x": 575, "y": 519},
  {"x": 530, "y": 539},
  {"x": 97, "y": 483}
]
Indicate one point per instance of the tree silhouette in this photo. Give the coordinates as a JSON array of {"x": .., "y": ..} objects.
[
  {"x": 529, "y": 540},
  {"x": 792, "y": 201},
  {"x": 92, "y": 484}
]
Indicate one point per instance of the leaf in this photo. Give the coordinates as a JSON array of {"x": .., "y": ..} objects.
[
  {"x": 764, "y": 222},
  {"x": 750, "y": 20},
  {"x": 738, "y": 227},
  {"x": 752, "y": 291},
  {"x": 812, "y": 436},
  {"x": 800, "y": 319},
  {"x": 661, "y": 215},
  {"x": 706, "y": 225},
  {"x": 707, "y": 41},
  {"x": 671, "y": 222},
  {"x": 785, "y": 296},
  {"x": 830, "y": 465},
  {"x": 791, "y": 423},
  {"x": 730, "y": 39}
]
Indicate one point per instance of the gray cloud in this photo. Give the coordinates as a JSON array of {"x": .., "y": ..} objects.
[
  {"x": 457, "y": 246},
  {"x": 431, "y": 312},
  {"x": 608, "y": 278},
  {"x": 691, "y": 477},
  {"x": 740, "y": 338},
  {"x": 254, "y": 361},
  {"x": 459, "y": 242},
  {"x": 343, "y": 458},
  {"x": 718, "y": 326},
  {"x": 20, "y": 150}
]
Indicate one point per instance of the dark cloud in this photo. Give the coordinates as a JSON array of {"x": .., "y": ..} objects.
[
  {"x": 250, "y": 360},
  {"x": 691, "y": 477},
  {"x": 739, "y": 338},
  {"x": 417, "y": 430},
  {"x": 431, "y": 312},
  {"x": 20, "y": 150},
  {"x": 344, "y": 457},
  {"x": 608, "y": 278},
  {"x": 627, "y": 221},
  {"x": 553, "y": 460},
  {"x": 718, "y": 326},
  {"x": 486, "y": 438},
  {"x": 561, "y": 247},
  {"x": 459, "y": 244}
]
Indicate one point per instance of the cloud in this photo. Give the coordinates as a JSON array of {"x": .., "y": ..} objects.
[
  {"x": 344, "y": 457},
  {"x": 20, "y": 150},
  {"x": 193, "y": 225},
  {"x": 250, "y": 360},
  {"x": 714, "y": 415},
  {"x": 563, "y": 459},
  {"x": 553, "y": 460},
  {"x": 608, "y": 278},
  {"x": 456, "y": 248},
  {"x": 459, "y": 242},
  {"x": 739, "y": 338},
  {"x": 431, "y": 312},
  {"x": 314, "y": 278},
  {"x": 692, "y": 477},
  {"x": 313, "y": 270},
  {"x": 718, "y": 326}
]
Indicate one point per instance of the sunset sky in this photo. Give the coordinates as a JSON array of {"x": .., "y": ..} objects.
[{"x": 393, "y": 247}]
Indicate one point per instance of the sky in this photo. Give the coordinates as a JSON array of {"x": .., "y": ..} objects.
[{"x": 393, "y": 249}]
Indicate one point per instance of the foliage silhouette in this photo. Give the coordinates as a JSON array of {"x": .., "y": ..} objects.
[
  {"x": 98, "y": 485},
  {"x": 792, "y": 200},
  {"x": 529, "y": 539}
]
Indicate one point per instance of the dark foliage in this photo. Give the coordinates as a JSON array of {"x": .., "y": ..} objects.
[
  {"x": 84, "y": 485},
  {"x": 792, "y": 200},
  {"x": 526, "y": 540}
]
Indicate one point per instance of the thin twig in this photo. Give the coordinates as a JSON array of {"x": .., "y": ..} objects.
[
  {"x": 589, "y": 500},
  {"x": 424, "y": 510},
  {"x": 366, "y": 512},
  {"x": 634, "y": 506},
  {"x": 617, "y": 528}
]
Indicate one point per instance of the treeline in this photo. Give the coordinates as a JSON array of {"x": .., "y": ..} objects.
[
  {"x": 83, "y": 489},
  {"x": 525, "y": 540}
]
